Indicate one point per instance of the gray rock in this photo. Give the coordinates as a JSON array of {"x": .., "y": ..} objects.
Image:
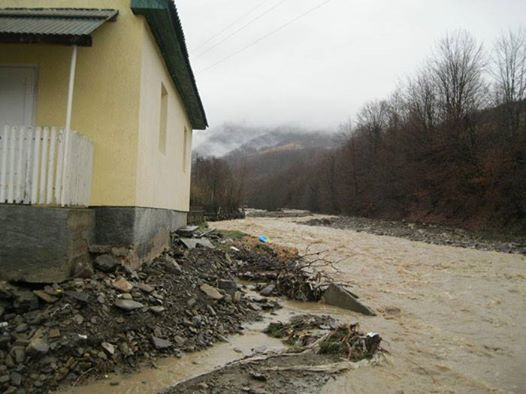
[
  {"x": 82, "y": 269},
  {"x": 16, "y": 379},
  {"x": 45, "y": 296},
  {"x": 339, "y": 296},
  {"x": 160, "y": 343},
  {"x": 192, "y": 243},
  {"x": 108, "y": 347},
  {"x": 128, "y": 305},
  {"x": 157, "y": 309},
  {"x": 106, "y": 263},
  {"x": 145, "y": 287},
  {"x": 78, "y": 295},
  {"x": 229, "y": 286},
  {"x": 37, "y": 346},
  {"x": 211, "y": 292},
  {"x": 267, "y": 291}
]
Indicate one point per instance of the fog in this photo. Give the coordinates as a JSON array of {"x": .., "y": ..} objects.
[{"x": 318, "y": 70}]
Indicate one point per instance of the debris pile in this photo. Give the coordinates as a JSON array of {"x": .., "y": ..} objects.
[
  {"x": 302, "y": 331},
  {"x": 115, "y": 318},
  {"x": 349, "y": 341},
  {"x": 323, "y": 335},
  {"x": 283, "y": 269}
]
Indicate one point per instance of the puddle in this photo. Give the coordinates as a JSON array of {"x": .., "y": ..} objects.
[{"x": 171, "y": 371}]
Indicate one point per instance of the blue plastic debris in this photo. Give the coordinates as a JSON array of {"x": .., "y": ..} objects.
[{"x": 264, "y": 239}]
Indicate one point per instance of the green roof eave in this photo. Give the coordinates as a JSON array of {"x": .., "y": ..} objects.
[{"x": 162, "y": 17}]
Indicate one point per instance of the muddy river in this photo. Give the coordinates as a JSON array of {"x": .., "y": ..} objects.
[{"x": 452, "y": 319}]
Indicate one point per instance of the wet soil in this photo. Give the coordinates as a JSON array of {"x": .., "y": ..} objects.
[
  {"x": 261, "y": 376},
  {"x": 452, "y": 318}
]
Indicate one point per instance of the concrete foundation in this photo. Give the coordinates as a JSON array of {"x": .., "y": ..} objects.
[
  {"x": 42, "y": 244},
  {"x": 145, "y": 232}
]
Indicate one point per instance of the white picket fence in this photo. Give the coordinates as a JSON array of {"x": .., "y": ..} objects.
[{"x": 45, "y": 166}]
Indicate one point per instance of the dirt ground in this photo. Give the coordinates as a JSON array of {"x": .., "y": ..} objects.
[{"x": 453, "y": 319}]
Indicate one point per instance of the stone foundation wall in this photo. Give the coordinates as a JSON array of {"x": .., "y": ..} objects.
[
  {"x": 144, "y": 232},
  {"x": 42, "y": 244}
]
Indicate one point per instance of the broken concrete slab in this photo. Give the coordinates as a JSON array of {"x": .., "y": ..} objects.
[
  {"x": 192, "y": 243},
  {"x": 339, "y": 296}
]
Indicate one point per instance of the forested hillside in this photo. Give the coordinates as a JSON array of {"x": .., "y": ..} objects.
[{"x": 449, "y": 145}]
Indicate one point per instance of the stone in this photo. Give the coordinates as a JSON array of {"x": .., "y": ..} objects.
[
  {"x": 108, "y": 347},
  {"x": 258, "y": 376},
  {"x": 54, "y": 333},
  {"x": 122, "y": 285},
  {"x": 237, "y": 296},
  {"x": 16, "y": 379},
  {"x": 79, "y": 319},
  {"x": 157, "y": 309},
  {"x": 78, "y": 296},
  {"x": 106, "y": 263},
  {"x": 44, "y": 296},
  {"x": 229, "y": 286},
  {"x": 24, "y": 300},
  {"x": 37, "y": 347},
  {"x": 18, "y": 354},
  {"x": 267, "y": 291},
  {"x": 187, "y": 231},
  {"x": 160, "y": 343},
  {"x": 211, "y": 292},
  {"x": 192, "y": 243},
  {"x": 176, "y": 268},
  {"x": 339, "y": 296},
  {"x": 82, "y": 269},
  {"x": 128, "y": 305},
  {"x": 126, "y": 296},
  {"x": 145, "y": 287}
]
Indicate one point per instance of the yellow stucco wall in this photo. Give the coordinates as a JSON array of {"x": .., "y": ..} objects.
[
  {"x": 163, "y": 180},
  {"x": 116, "y": 104}
]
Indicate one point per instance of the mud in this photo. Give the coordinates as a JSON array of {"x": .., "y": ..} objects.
[{"x": 452, "y": 318}]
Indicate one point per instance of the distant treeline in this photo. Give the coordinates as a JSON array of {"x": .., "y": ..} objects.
[{"x": 448, "y": 146}]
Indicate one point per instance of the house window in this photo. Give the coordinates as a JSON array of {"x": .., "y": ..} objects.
[
  {"x": 185, "y": 148},
  {"x": 163, "y": 120}
]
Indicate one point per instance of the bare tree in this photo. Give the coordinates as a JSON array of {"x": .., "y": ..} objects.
[
  {"x": 421, "y": 101},
  {"x": 457, "y": 73},
  {"x": 509, "y": 72},
  {"x": 373, "y": 119}
]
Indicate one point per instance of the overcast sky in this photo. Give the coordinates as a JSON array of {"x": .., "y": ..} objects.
[{"x": 318, "y": 70}]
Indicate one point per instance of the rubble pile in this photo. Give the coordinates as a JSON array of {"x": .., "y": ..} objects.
[
  {"x": 302, "y": 330},
  {"x": 115, "y": 318}
]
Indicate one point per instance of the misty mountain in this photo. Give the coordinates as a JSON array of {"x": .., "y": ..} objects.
[{"x": 236, "y": 140}]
